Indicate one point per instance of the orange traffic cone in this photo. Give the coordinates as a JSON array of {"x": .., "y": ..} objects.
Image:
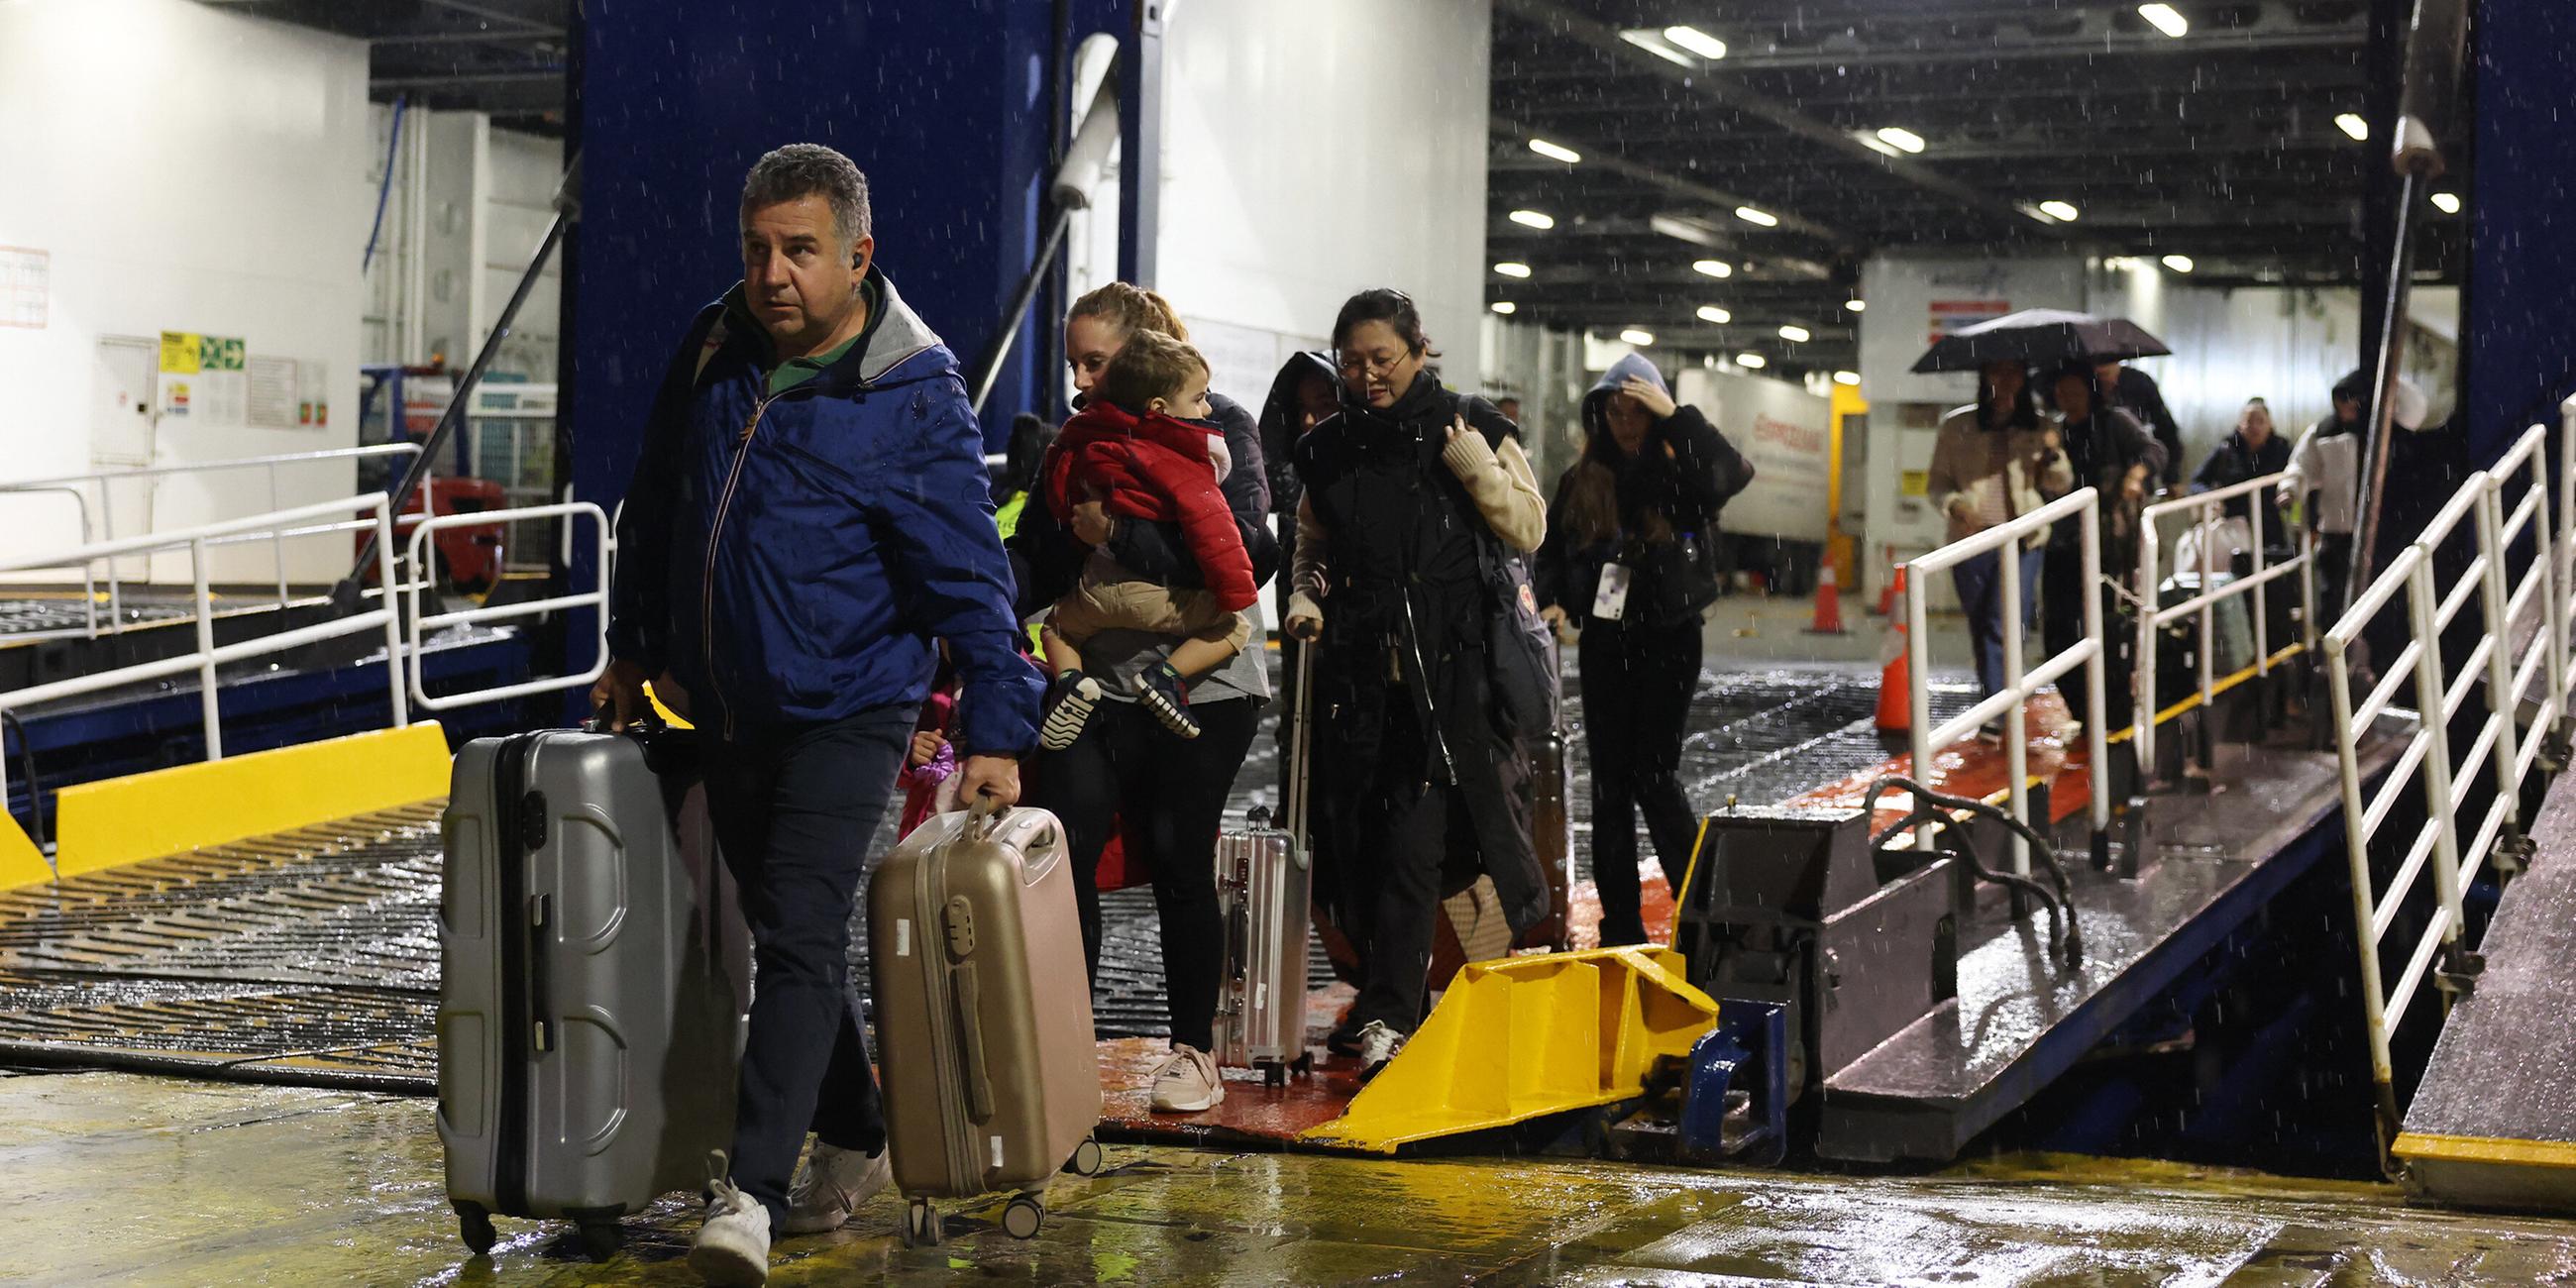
[
  {"x": 1829, "y": 605},
  {"x": 1895, "y": 709}
]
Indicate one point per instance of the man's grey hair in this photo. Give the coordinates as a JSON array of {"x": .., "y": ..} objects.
[{"x": 807, "y": 170}]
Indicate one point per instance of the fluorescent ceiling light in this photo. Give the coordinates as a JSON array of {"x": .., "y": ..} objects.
[
  {"x": 1856, "y": 306},
  {"x": 1512, "y": 268},
  {"x": 2061, "y": 211},
  {"x": 1872, "y": 142},
  {"x": 1713, "y": 314},
  {"x": 1763, "y": 218},
  {"x": 2165, "y": 19},
  {"x": 1795, "y": 334},
  {"x": 1697, "y": 41},
  {"x": 1555, "y": 151},
  {"x": 2353, "y": 125},
  {"x": 1634, "y": 336},
  {"x": 1754, "y": 360},
  {"x": 1714, "y": 267},
  {"x": 1683, "y": 229},
  {"x": 2178, "y": 263},
  {"x": 1851, "y": 378},
  {"x": 1505, "y": 307},
  {"x": 1653, "y": 43},
  {"x": 1533, "y": 219},
  {"x": 2447, "y": 202},
  {"x": 1899, "y": 137}
]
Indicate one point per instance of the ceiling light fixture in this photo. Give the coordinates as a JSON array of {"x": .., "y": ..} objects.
[
  {"x": 1697, "y": 41},
  {"x": 2178, "y": 263},
  {"x": 1713, "y": 267},
  {"x": 1754, "y": 361},
  {"x": 2447, "y": 202},
  {"x": 1851, "y": 378},
  {"x": 1763, "y": 218},
  {"x": 2062, "y": 211},
  {"x": 1512, "y": 268},
  {"x": 1796, "y": 334},
  {"x": 1653, "y": 43},
  {"x": 2352, "y": 124},
  {"x": 1533, "y": 219},
  {"x": 1505, "y": 307},
  {"x": 1871, "y": 141},
  {"x": 1555, "y": 151},
  {"x": 1683, "y": 229},
  {"x": 1637, "y": 337},
  {"x": 1710, "y": 313},
  {"x": 2165, "y": 19},
  {"x": 1856, "y": 306},
  {"x": 1900, "y": 137}
]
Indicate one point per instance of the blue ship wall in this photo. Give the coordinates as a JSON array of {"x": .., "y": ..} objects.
[{"x": 2519, "y": 331}]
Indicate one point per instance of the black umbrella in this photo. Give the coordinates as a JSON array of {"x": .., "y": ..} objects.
[{"x": 2037, "y": 336}]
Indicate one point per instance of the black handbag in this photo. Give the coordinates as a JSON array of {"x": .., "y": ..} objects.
[{"x": 1520, "y": 650}]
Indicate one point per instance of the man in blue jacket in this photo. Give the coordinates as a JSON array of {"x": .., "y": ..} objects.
[{"x": 810, "y": 515}]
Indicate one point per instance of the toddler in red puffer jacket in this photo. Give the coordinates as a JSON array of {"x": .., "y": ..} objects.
[{"x": 1136, "y": 449}]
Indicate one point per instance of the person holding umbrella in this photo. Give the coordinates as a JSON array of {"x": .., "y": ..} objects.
[
  {"x": 2108, "y": 449},
  {"x": 1995, "y": 459}
]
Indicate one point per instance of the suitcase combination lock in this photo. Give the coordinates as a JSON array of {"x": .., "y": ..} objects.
[{"x": 961, "y": 928}]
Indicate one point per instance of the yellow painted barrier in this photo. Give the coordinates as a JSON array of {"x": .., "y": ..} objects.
[
  {"x": 167, "y": 811},
  {"x": 1522, "y": 1037},
  {"x": 21, "y": 863}
]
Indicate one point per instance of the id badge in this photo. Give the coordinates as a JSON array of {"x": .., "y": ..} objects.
[{"x": 1611, "y": 600}]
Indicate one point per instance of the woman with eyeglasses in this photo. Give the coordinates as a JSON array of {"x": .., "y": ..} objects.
[
  {"x": 1412, "y": 495},
  {"x": 1166, "y": 796}
]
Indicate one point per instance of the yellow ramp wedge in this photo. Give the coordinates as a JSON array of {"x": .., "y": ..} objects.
[
  {"x": 1522, "y": 1037},
  {"x": 145, "y": 816},
  {"x": 21, "y": 863}
]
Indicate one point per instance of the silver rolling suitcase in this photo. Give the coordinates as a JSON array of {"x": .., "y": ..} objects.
[
  {"x": 1265, "y": 886},
  {"x": 595, "y": 978}
]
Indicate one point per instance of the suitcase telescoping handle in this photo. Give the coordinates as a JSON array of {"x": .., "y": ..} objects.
[{"x": 967, "y": 991}]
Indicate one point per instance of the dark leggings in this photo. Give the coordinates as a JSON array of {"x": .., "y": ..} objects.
[
  {"x": 1637, "y": 686},
  {"x": 1171, "y": 793}
]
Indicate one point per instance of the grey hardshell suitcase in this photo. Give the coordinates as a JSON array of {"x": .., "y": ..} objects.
[
  {"x": 595, "y": 978},
  {"x": 1265, "y": 892},
  {"x": 983, "y": 1014}
]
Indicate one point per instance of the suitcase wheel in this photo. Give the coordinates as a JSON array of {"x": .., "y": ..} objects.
[
  {"x": 920, "y": 1225},
  {"x": 474, "y": 1225},
  {"x": 602, "y": 1239},
  {"x": 1087, "y": 1159},
  {"x": 1274, "y": 1074},
  {"x": 1023, "y": 1217}
]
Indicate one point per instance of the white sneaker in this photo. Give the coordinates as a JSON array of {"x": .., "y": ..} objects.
[
  {"x": 732, "y": 1247},
  {"x": 1378, "y": 1044},
  {"x": 833, "y": 1184},
  {"x": 1078, "y": 694},
  {"x": 1187, "y": 1082}
]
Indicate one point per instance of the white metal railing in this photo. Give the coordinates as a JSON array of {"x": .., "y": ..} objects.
[
  {"x": 2006, "y": 540},
  {"x": 2208, "y": 519},
  {"x": 101, "y": 485},
  {"x": 320, "y": 518},
  {"x": 597, "y": 598},
  {"x": 2513, "y": 655}
]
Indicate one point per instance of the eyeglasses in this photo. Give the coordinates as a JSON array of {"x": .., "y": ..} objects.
[{"x": 1356, "y": 364}]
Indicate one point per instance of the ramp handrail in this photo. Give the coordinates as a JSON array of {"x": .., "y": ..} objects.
[
  {"x": 2209, "y": 519},
  {"x": 319, "y": 518},
  {"x": 595, "y": 598},
  {"x": 103, "y": 480},
  {"x": 2507, "y": 661},
  {"x": 2082, "y": 505}
]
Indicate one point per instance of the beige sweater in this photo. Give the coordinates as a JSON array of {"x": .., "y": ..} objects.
[
  {"x": 1505, "y": 492},
  {"x": 2033, "y": 473}
]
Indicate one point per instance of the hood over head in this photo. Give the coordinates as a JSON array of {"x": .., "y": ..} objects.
[
  {"x": 1596, "y": 401},
  {"x": 1279, "y": 410}
]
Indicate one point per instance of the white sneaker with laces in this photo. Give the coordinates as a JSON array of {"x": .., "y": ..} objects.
[
  {"x": 732, "y": 1248},
  {"x": 833, "y": 1184},
  {"x": 1378, "y": 1044},
  {"x": 1187, "y": 1082}
]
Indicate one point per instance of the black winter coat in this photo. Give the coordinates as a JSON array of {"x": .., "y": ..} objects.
[
  {"x": 1670, "y": 565},
  {"x": 2234, "y": 463}
]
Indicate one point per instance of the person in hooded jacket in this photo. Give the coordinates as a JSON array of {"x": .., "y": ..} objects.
[
  {"x": 1993, "y": 461},
  {"x": 1629, "y": 561},
  {"x": 1164, "y": 795},
  {"x": 2108, "y": 449},
  {"x": 1412, "y": 493},
  {"x": 2136, "y": 393},
  {"x": 2252, "y": 452},
  {"x": 1302, "y": 396}
]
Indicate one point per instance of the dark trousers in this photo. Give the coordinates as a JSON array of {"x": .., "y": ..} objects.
[
  {"x": 1405, "y": 897},
  {"x": 1980, "y": 581},
  {"x": 1170, "y": 792},
  {"x": 1637, "y": 686},
  {"x": 2334, "y": 570},
  {"x": 793, "y": 810}
]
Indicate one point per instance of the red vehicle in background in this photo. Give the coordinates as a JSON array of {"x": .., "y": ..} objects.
[{"x": 467, "y": 558}]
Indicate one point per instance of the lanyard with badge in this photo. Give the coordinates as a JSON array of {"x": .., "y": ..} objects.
[{"x": 1610, "y": 600}]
